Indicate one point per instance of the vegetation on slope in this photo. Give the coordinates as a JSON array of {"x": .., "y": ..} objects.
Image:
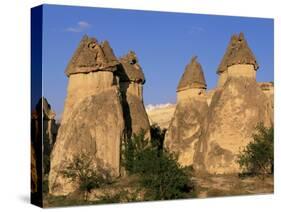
[
  {"x": 257, "y": 158},
  {"x": 158, "y": 170}
]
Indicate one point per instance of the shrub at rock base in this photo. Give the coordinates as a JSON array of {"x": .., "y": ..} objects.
[
  {"x": 80, "y": 170},
  {"x": 158, "y": 171},
  {"x": 257, "y": 157}
]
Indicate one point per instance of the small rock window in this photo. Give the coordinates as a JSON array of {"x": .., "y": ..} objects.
[
  {"x": 91, "y": 45},
  {"x": 133, "y": 61}
]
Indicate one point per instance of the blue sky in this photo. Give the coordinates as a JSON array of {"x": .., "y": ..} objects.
[{"x": 164, "y": 43}]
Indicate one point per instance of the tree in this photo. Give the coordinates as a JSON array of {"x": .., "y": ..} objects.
[
  {"x": 257, "y": 157},
  {"x": 80, "y": 169},
  {"x": 158, "y": 170},
  {"x": 157, "y": 136}
]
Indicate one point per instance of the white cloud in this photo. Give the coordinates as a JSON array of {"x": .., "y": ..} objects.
[
  {"x": 84, "y": 24},
  {"x": 151, "y": 107},
  {"x": 196, "y": 30},
  {"x": 79, "y": 27}
]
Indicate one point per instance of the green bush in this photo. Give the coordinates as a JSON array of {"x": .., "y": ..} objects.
[
  {"x": 157, "y": 136},
  {"x": 80, "y": 169},
  {"x": 158, "y": 170},
  {"x": 132, "y": 148},
  {"x": 257, "y": 157}
]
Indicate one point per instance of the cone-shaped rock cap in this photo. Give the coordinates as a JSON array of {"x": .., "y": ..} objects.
[
  {"x": 193, "y": 76},
  {"x": 129, "y": 70},
  {"x": 237, "y": 52},
  {"x": 91, "y": 56},
  {"x": 43, "y": 107}
]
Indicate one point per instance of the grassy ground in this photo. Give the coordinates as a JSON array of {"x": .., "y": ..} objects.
[
  {"x": 231, "y": 185},
  {"x": 123, "y": 190},
  {"x": 127, "y": 190}
]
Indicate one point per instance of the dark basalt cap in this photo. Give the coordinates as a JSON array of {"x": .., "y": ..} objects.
[
  {"x": 129, "y": 69},
  {"x": 91, "y": 56},
  {"x": 237, "y": 52},
  {"x": 193, "y": 76}
]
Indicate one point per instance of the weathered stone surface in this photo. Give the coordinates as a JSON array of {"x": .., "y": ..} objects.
[
  {"x": 161, "y": 115},
  {"x": 237, "y": 60},
  {"x": 34, "y": 176},
  {"x": 91, "y": 56},
  {"x": 193, "y": 76},
  {"x": 186, "y": 125},
  {"x": 268, "y": 90},
  {"x": 90, "y": 72},
  {"x": 131, "y": 86},
  {"x": 49, "y": 124},
  {"x": 185, "y": 128},
  {"x": 43, "y": 135},
  {"x": 95, "y": 126},
  {"x": 237, "y": 105},
  {"x": 237, "y": 52},
  {"x": 235, "y": 110},
  {"x": 36, "y": 150},
  {"x": 81, "y": 86},
  {"x": 92, "y": 120},
  {"x": 130, "y": 69},
  {"x": 136, "y": 116},
  {"x": 209, "y": 95}
]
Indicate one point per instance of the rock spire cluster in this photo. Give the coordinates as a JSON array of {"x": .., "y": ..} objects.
[
  {"x": 101, "y": 88},
  {"x": 209, "y": 135},
  {"x": 104, "y": 107}
]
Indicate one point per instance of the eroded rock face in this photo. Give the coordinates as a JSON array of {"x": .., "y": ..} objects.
[
  {"x": 135, "y": 116},
  {"x": 34, "y": 176},
  {"x": 235, "y": 110},
  {"x": 49, "y": 123},
  {"x": 90, "y": 71},
  {"x": 185, "y": 128},
  {"x": 268, "y": 90},
  {"x": 131, "y": 86},
  {"x": 92, "y": 121},
  {"x": 96, "y": 127},
  {"x": 161, "y": 115},
  {"x": 193, "y": 76},
  {"x": 237, "y": 52},
  {"x": 236, "y": 59},
  {"x": 186, "y": 125},
  {"x": 237, "y": 105},
  {"x": 91, "y": 56},
  {"x": 84, "y": 85}
]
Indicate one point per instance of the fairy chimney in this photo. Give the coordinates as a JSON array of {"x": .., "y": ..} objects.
[
  {"x": 49, "y": 126},
  {"x": 186, "y": 125},
  {"x": 192, "y": 82},
  {"x": 90, "y": 71},
  {"x": 238, "y": 60},
  {"x": 131, "y": 80},
  {"x": 131, "y": 75},
  {"x": 92, "y": 121},
  {"x": 237, "y": 106}
]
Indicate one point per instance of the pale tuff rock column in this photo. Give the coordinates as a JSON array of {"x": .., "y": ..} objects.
[
  {"x": 131, "y": 85},
  {"x": 90, "y": 71},
  {"x": 231, "y": 58},
  {"x": 92, "y": 121},
  {"x": 237, "y": 106},
  {"x": 49, "y": 123},
  {"x": 186, "y": 125},
  {"x": 268, "y": 90},
  {"x": 43, "y": 134}
]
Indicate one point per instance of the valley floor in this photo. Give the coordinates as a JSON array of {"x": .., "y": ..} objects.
[
  {"x": 231, "y": 185},
  {"x": 126, "y": 190}
]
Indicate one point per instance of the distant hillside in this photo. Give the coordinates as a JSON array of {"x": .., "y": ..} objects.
[{"x": 160, "y": 114}]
